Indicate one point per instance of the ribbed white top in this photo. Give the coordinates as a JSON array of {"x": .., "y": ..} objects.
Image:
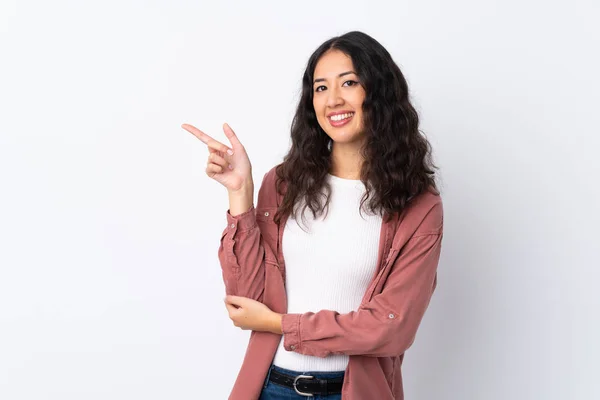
[{"x": 330, "y": 266}]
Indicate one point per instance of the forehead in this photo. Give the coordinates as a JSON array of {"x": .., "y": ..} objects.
[{"x": 332, "y": 63}]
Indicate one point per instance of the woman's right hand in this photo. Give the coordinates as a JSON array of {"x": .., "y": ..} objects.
[{"x": 229, "y": 166}]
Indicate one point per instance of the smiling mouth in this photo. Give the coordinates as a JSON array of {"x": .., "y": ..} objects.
[{"x": 340, "y": 119}]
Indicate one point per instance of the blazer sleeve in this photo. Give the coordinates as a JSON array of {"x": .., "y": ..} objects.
[
  {"x": 387, "y": 324},
  {"x": 242, "y": 253}
]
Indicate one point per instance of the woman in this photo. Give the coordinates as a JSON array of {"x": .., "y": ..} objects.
[{"x": 356, "y": 201}]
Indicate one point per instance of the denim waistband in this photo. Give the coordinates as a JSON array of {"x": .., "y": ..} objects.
[{"x": 316, "y": 374}]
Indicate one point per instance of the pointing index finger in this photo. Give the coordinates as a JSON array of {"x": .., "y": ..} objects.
[{"x": 209, "y": 141}]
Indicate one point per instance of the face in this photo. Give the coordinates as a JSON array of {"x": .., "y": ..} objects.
[{"x": 338, "y": 97}]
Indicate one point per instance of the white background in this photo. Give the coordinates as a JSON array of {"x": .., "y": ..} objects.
[{"x": 110, "y": 286}]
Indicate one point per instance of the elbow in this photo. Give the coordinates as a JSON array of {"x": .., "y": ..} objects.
[
  {"x": 233, "y": 287},
  {"x": 391, "y": 341},
  {"x": 252, "y": 293}
]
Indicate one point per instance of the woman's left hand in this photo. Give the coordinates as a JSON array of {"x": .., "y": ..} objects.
[{"x": 249, "y": 314}]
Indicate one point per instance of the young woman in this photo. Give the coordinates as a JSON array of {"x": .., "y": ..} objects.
[{"x": 334, "y": 268}]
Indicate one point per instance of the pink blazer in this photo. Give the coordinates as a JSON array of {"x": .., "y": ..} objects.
[{"x": 375, "y": 336}]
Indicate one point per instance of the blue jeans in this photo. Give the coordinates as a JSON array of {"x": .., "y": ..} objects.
[{"x": 273, "y": 391}]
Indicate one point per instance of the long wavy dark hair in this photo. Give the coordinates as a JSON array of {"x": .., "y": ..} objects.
[{"x": 397, "y": 157}]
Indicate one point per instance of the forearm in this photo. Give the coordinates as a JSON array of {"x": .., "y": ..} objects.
[
  {"x": 241, "y": 252},
  {"x": 357, "y": 333},
  {"x": 275, "y": 324}
]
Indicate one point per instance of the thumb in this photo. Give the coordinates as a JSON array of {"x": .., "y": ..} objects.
[
  {"x": 231, "y": 309},
  {"x": 234, "y": 300},
  {"x": 233, "y": 139}
]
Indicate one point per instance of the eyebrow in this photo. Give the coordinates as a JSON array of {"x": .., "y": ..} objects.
[{"x": 340, "y": 75}]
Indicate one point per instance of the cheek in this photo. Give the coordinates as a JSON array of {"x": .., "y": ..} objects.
[
  {"x": 319, "y": 113},
  {"x": 358, "y": 102},
  {"x": 317, "y": 106}
]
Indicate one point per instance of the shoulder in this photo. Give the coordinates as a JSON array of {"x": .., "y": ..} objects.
[
  {"x": 267, "y": 194},
  {"x": 271, "y": 175},
  {"x": 270, "y": 180},
  {"x": 424, "y": 215}
]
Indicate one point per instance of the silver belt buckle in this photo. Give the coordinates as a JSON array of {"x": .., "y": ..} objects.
[{"x": 296, "y": 389}]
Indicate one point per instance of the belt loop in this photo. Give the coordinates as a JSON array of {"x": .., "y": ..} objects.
[{"x": 268, "y": 376}]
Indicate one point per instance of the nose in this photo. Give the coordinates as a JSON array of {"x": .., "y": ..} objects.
[{"x": 334, "y": 97}]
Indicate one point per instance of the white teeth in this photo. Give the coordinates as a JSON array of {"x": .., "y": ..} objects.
[{"x": 340, "y": 117}]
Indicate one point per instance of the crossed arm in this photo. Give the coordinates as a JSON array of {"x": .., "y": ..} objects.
[{"x": 384, "y": 326}]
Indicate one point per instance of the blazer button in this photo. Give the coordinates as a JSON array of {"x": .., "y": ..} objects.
[
  {"x": 267, "y": 214},
  {"x": 293, "y": 347},
  {"x": 391, "y": 316},
  {"x": 232, "y": 226}
]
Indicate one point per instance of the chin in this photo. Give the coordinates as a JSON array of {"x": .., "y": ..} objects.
[{"x": 345, "y": 138}]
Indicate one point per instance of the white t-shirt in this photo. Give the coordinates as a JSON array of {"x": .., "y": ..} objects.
[{"x": 330, "y": 266}]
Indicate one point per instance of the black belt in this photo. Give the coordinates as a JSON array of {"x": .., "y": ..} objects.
[{"x": 307, "y": 385}]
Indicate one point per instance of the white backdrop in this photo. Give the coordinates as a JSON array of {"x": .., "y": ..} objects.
[{"x": 110, "y": 286}]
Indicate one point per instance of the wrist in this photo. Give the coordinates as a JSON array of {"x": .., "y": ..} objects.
[
  {"x": 276, "y": 326},
  {"x": 247, "y": 187},
  {"x": 241, "y": 200}
]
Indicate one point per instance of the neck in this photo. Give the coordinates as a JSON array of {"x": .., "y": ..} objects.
[{"x": 346, "y": 160}]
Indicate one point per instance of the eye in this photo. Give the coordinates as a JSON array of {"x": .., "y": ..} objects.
[
  {"x": 319, "y": 87},
  {"x": 352, "y": 83}
]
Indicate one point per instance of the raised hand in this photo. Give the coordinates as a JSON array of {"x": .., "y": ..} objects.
[{"x": 230, "y": 166}]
